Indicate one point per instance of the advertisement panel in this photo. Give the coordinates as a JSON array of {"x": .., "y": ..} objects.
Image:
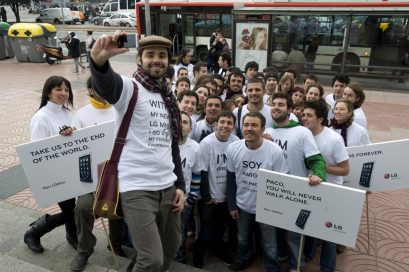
[
  {"x": 62, "y": 167},
  {"x": 379, "y": 166},
  {"x": 327, "y": 211},
  {"x": 251, "y": 44}
]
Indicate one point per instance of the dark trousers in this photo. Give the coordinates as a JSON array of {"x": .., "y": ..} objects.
[{"x": 213, "y": 220}]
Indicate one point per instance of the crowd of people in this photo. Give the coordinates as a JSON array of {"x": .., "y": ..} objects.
[{"x": 190, "y": 179}]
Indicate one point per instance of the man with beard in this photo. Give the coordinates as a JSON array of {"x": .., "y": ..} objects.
[
  {"x": 301, "y": 154},
  {"x": 150, "y": 174},
  {"x": 255, "y": 92},
  {"x": 235, "y": 84},
  {"x": 204, "y": 127},
  {"x": 213, "y": 210},
  {"x": 244, "y": 158}
]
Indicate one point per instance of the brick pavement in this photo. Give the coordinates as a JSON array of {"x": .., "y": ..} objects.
[{"x": 387, "y": 112}]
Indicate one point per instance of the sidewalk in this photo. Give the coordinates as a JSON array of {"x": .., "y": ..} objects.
[{"x": 19, "y": 98}]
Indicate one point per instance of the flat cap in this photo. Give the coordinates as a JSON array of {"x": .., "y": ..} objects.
[{"x": 153, "y": 40}]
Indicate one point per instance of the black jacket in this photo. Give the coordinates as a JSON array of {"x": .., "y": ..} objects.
[{"x": 74, "y": 48}]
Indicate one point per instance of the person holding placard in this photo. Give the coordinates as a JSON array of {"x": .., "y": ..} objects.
[
  {"x": 213, "y": 211},
  {"x": 96, "y": 112},
  {"x": 300, "y": 151},
  {"x": 343, "y": 123},
  {"x": 244, "y": 158},
  {"x": 336, "y": 156},
  {"x": 53, "y": 117}
]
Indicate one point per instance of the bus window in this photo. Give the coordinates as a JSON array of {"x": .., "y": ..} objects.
[
  {"x": 114, "y": 7},
  {"x": 131, "y": 4},
  {"x": 206, "y": 24},
  {"x": 122, "y": 4},
  {"x": 226, "y": 25}
]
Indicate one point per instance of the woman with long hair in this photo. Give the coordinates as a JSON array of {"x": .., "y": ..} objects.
[
  {"x": 343, "y": 123},
  {"x": 355, "y": 93},
  {"x": 184, "y": 58},
  {"x": 53, "y": 117},
  {"x": 286, "y": 84}
]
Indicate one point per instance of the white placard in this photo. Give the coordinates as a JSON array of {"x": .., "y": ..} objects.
[
  {"x": 332, "y": 212},
  {"x": 52, "y": 165},
  {"x": 378, "y": 167}
]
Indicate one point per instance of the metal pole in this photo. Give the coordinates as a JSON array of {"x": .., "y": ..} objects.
[
  {"x": 345, "y": 44},
  {"x": 62, "y": 12},
  {"x": 147, "y": 18}
]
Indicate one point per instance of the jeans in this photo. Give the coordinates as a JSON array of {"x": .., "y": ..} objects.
[
  {"x": 294, "y": 244},
  {"x": 184, "y": 222},
  {"x": 328, "y": 256},
  {"x": 245, "y": 224},
  {"x": 213, "y": 219}
]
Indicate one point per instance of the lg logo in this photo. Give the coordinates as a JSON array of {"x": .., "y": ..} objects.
[
  {"x": 329, "y": 224},
  {"x": 390, "y": 176}
]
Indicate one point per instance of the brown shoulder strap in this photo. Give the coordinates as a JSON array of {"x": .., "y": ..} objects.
[{"x": 123, "y": 129}]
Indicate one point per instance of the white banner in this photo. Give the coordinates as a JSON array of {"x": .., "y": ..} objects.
[
  {"x": 61, "y": 167},
  {"x": 378, "y": 167},
  {"x": 327, "y": 211}
]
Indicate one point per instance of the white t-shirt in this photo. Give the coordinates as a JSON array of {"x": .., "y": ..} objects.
[
  {"x": 146, "y": 161},
  {"x": 213, "y": 153},
  {"x": 191, "y": 161},
  {"x": 189, "y": 68},
  {"x": 360, "y": 117},
  {"x": 356, "y": 135},
  {"x": 332, "y": 148},
  {"x": 298, "y": 144},
  {"x": 90, "y": 116},
  {"x": 202, "y": 130},
  {"x": 265, "y": 111},
  {"x": 245, "y": 162},
  {"x": 48, "y": 121},
  {"x": 331, "y": 102}
]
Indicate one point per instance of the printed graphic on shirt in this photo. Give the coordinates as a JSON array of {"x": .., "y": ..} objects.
[{"x": 159, "y": 130}]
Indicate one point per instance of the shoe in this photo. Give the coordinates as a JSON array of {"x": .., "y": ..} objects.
[
  {"x": 80, "y": 261},
  {"x": 117, "y": 251},
  {"x": 293, "y": 270},
  {"x": 239, "y": 265},
  {"x": 198, "y": 263},
  {"x": 33, "y": 235},
  {"x": 340, "y": 248},
  {"x": 224, "y": 257},
  {"x": 282, "y": 259},
  {"x": 308, "y": 259}
]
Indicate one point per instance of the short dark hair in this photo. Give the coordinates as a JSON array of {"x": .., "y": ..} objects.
[
  {"x": 256, "y": 80},
  {"x": 182, "y": 79},
  {"x": 251, "y": 64},
  {"x": 257, "y": 115},
  {"x": 271, "y": 75},
  {"x": 197, "y": 66},
  {"x": 181, "y": 69},
  {"x": 343, "y": 78},
  {"x": 213, "y": 97},
  {"x": 312, "y": 77},
  {"x": 190, "y": 120},
  {"x": 270, "y": 70},
  {"x": 320, "y": 108},
  {"x": 236, "y": 72},
  {"x": 226, "y": 56},
  {"x": 170, "y": 72},
  {"x": 188, "y": 93},
  {"x": 283, "y": 96},
  {"x": 228, "y": 114}
]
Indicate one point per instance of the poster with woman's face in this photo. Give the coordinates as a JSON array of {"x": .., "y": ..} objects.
[{"x": 251, "y": 44}]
